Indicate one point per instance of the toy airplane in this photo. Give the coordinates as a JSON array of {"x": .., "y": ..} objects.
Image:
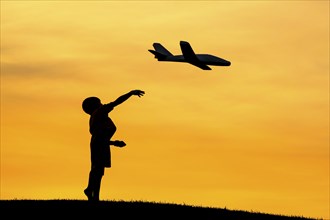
[{"x": 188, "y": 56}]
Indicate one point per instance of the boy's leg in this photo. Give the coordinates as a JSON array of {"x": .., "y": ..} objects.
[
  {"x": 91, "y": 182},
  {"x": 97, "y": 184},
  {"x": 94, "y": 183}
]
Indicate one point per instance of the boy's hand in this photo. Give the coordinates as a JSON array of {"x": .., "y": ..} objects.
[
  {"x": 119, "y": 143},
  {"x": 137, "y": 92}
]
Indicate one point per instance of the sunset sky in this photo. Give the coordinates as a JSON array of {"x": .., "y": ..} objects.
[{"x": 251, "y": 136}]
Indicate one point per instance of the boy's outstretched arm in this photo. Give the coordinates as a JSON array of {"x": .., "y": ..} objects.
[{"x": 124, "y": 97}]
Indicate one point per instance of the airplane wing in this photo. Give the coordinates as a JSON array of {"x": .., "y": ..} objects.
[
  {"x": 188, "y": 52},
  {"x": 191, "y": 57},
  {"x": 202, "y": 66}
]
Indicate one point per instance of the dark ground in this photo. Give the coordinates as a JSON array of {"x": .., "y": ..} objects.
[{"x": 80, "y": 209}]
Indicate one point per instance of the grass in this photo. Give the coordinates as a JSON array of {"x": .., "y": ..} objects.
[{"x": 135, "y": 210}]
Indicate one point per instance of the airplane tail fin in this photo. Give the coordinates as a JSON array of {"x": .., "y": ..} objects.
[
  {"x": 158, "y": 56},
  {"x": 159, "y": 48},
  {"x": 161, "y": 52}
]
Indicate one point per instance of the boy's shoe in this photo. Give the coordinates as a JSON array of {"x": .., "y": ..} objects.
[{"x": 89, "y": 194}]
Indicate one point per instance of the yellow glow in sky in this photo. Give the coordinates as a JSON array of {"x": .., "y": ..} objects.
[{"x": 252, "y": 136}]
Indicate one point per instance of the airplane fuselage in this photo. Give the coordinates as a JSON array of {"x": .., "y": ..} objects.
[{"x": 206, "y": 59}]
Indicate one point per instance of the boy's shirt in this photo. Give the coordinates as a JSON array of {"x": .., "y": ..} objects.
[
  {"x": 100, "y": 122},
  {"x": 102, "y": 129}
]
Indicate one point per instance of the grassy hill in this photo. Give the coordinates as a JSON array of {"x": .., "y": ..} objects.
[{"x": 135, "y": 210}]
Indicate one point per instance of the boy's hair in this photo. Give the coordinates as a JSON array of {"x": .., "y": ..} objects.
[{"x": 90, "y": 104}]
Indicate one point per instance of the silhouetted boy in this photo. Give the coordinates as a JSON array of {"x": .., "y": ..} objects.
[{"x": 102, "y": 129}]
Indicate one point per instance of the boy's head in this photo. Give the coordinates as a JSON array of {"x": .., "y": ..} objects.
[{"x": 90, "y": 104}]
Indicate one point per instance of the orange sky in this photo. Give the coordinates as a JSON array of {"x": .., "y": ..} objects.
[{"x": 252, "y": 136}]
